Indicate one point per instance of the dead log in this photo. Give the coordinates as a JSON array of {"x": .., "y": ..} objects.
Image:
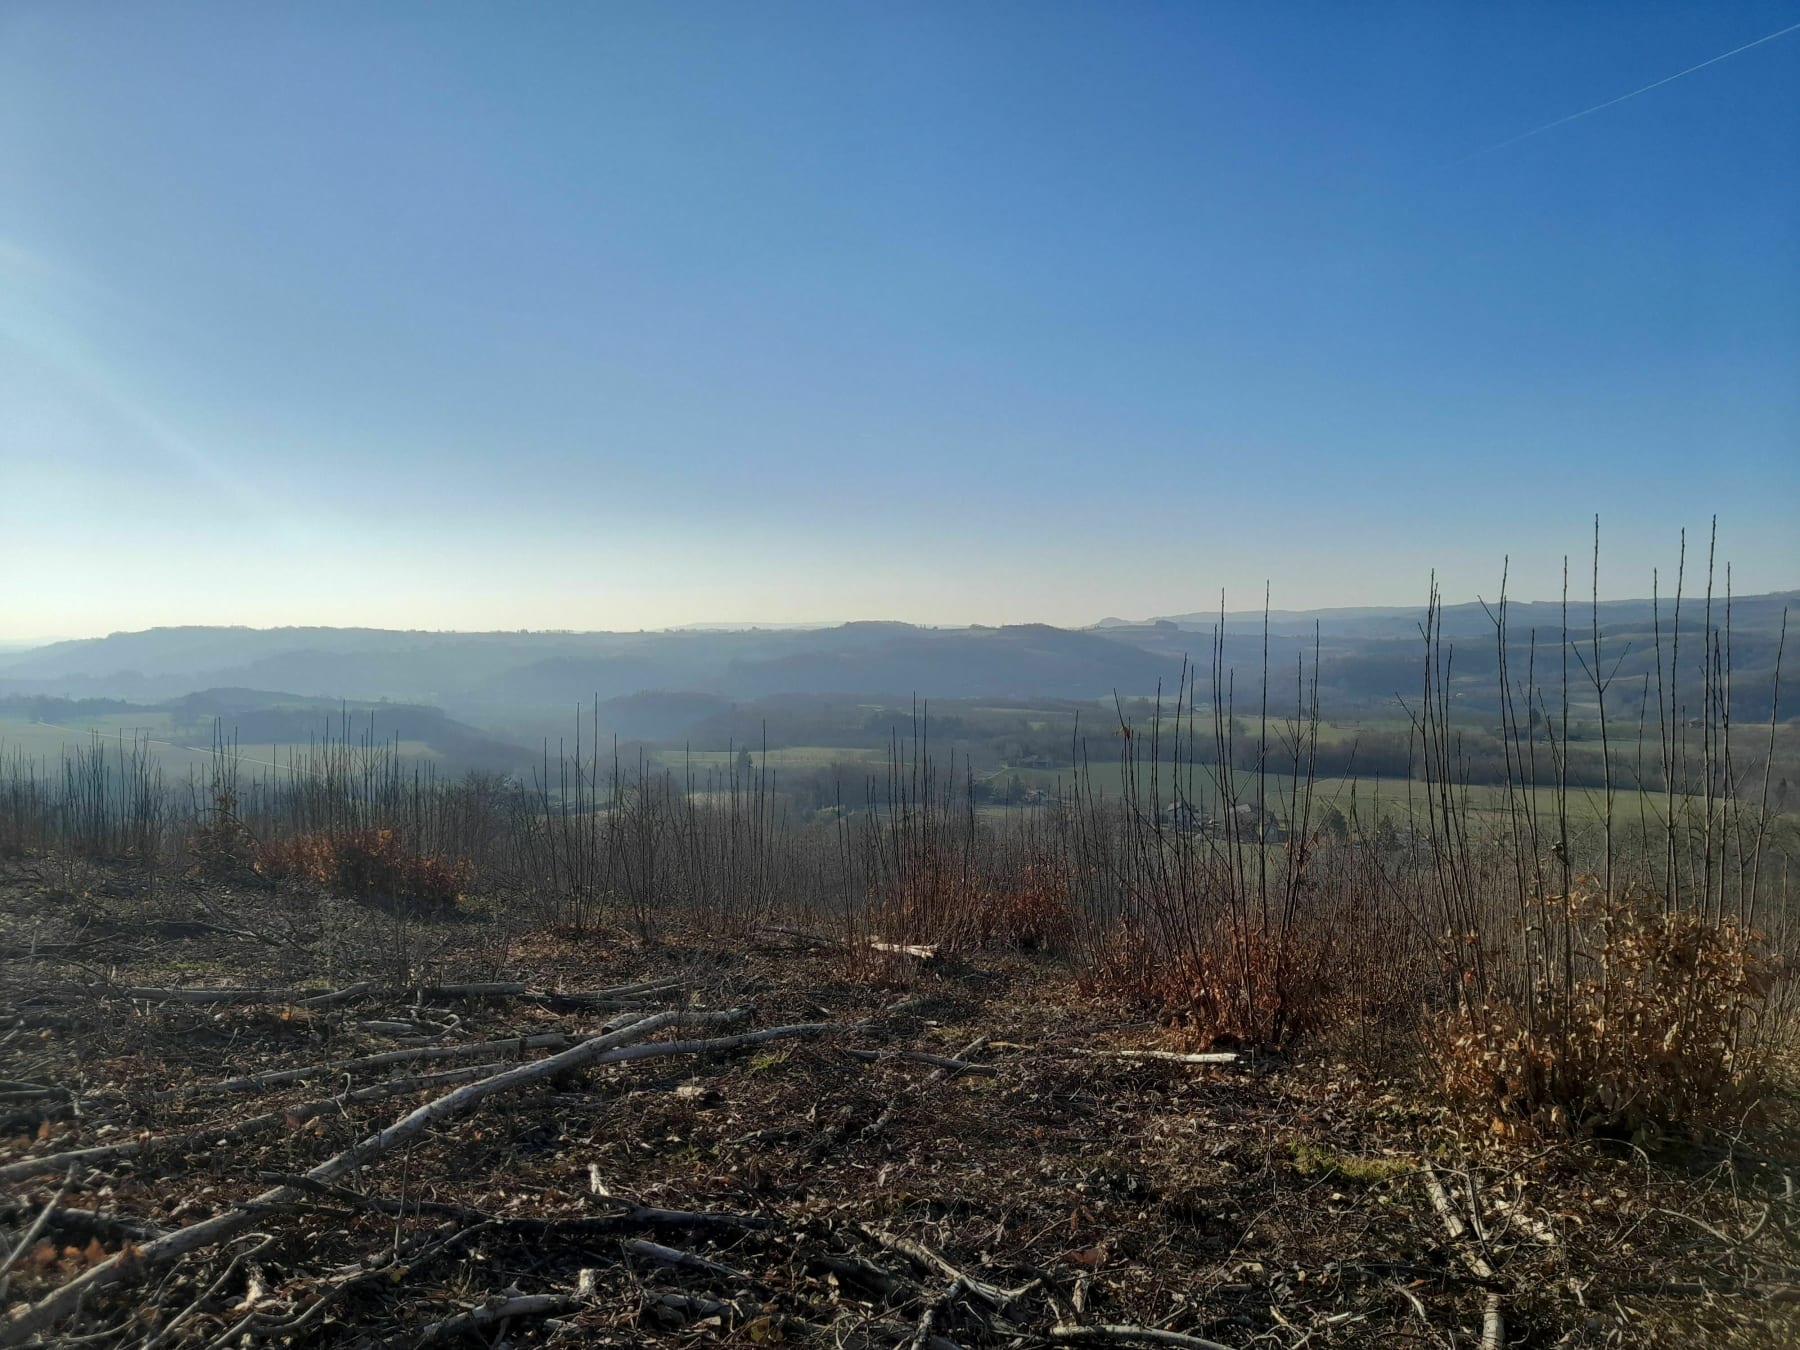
[
  {"x": 865, "y": 1274},
  {"x": 607, "y": 1049}
]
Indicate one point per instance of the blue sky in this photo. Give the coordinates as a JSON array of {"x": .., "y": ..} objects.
[{"x": 586, "y": 315}]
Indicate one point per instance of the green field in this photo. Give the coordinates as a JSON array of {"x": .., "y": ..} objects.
[
  {"x": 52, "y": 742},
  {"x": 1371, "y": 797}
]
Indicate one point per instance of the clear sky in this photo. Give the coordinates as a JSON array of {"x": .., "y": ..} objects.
[{"x": 627, "y": 315}]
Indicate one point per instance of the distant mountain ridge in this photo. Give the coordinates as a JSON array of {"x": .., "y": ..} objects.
[
  {"x": 531, "y": 679},
  {"x": 561, "y": 668}
]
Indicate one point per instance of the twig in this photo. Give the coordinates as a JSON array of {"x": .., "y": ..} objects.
[
  {"x": 954, "y": 1066},
  {"x": 631, "y": 1216},
  {"x": 168, "y": 1329},
  {"x": 1001, "y": 1300},
  {"x": 886, "y": 1118}
]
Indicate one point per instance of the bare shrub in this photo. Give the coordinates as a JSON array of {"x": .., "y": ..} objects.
[
  {"x": 1657, "y": 1032},
  {"x": 218, "y": 842},
  {"x": 367, "y": 864},
  {"x": 1029, "y": 911},
  {"x": 1346, "y": 963},
  {"x": 967, "y": 907}
]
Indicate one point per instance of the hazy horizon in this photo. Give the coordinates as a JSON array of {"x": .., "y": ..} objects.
[
  {"x": 1578, "y": 601},
  {"x": 616, "y": 318}
]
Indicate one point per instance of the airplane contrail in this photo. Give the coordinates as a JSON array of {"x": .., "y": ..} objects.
[{"x": 1613, "y": 102}]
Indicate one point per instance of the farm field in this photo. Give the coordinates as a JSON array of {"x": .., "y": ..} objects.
[
  {"x": 1371, "y": 798},
  {"x": 51, "y": 743},
  {"x": 785, "y": 757}
]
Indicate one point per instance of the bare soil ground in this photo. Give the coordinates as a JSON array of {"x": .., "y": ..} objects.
[{"x": 819, "y": 1189}]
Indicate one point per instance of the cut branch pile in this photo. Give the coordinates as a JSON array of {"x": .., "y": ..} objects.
[{"x": 136, "y": 1262}]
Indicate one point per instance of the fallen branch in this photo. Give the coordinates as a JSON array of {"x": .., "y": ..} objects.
[
  {"x": 168, "y": 1330},
  {"x": 1001, "y": 1300},
  {"x": 526, "y": 1305},
  {"x": 340, "y": 995},
  {"x": 389, "y": 1266},
  {"x": 1117, "y": 1332},
  {"x": 492, "y": 989},
  {"x": 642, "y": 988},
  {"x": 796, "y": 937},
  {"x": 1454, "y": 1224},
  {"x": 219, "y": 995},
  {"x": 679, "y": 1260},
  {"x": 289, "y": 1116},
  {"x": 278, "y": 1077},
  {"x": 1167, "y": 1056},
  {"x": 1493, "y": 1325},
  {"x": 389, "y": 1027},
  {"x": 623, "y": 996}
]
